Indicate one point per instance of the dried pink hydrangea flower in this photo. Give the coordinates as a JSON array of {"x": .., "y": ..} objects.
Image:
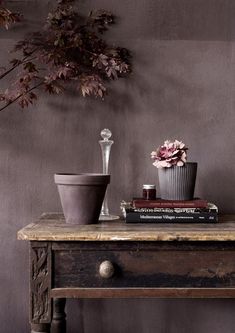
[{"x": 171, "y": 153}]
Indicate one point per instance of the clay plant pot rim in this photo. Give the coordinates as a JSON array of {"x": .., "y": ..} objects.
[{"x": 81, "y": 179}]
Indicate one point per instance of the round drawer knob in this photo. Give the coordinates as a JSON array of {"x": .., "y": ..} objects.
[{"x": 106, "y": 269}]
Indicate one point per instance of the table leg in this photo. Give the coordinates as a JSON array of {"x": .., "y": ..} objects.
[
  {"x": 40, "y": 328},
  {"x": 40, "y": 286},
  {"x": 58, "y": 324}
]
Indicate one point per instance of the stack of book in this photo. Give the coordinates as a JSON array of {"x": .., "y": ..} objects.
[{"x": 168, "y": 211}]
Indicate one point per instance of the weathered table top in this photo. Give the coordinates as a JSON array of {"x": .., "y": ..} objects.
[{"x": 52, "y": 227}]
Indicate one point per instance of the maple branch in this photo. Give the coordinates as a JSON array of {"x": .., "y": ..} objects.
[
  {"x": 24, "y": 60},
  {"x": 15, "y": 99},
  {"x": 68, "y": 50}
]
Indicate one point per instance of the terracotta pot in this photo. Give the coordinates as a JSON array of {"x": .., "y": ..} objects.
[
  {"x": 178, "y": 183},
  {"x": 82, "y": 196}
]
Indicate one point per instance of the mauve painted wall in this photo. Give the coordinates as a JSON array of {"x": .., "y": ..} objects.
[{"x": 182, "y": 87}]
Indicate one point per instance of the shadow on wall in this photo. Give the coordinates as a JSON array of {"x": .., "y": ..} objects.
[
  {"x": 173, "y": 19},
  {"x": 129, "y": 316}
]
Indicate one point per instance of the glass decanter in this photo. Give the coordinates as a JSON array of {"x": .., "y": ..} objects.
[{"x": 105, "y": 145}]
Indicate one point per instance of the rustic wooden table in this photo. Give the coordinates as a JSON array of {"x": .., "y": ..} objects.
[{"x": 114, "y": 259}]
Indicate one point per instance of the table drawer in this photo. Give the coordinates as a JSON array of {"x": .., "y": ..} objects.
[{"x": 173, "y": 265}]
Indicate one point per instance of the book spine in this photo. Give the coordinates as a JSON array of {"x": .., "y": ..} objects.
[
  {"x": 173, "y": 210},
  {"x": 137, "y": 217},
  {"x": 145, "y": 204}
]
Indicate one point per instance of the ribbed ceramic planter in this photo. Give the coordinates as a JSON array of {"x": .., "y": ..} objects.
[
  {"x": 82, "y": 196},
  {"x": 178, "y": 183}
]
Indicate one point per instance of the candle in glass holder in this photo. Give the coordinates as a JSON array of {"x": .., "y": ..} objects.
[{"x": 149, "y": 192}]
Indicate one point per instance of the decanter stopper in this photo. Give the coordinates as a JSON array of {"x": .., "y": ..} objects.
[{"x": 106, "y": 134}]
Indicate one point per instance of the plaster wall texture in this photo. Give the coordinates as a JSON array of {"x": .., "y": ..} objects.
[{"x": 182, "y": 87}]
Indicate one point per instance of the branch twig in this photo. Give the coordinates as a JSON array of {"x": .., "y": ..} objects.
[
  {"x": 24, "y": 60},
  {"x": 15, "y": 99}
]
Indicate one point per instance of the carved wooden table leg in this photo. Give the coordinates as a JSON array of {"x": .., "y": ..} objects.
[
  {"x": 40, "y": 287},
  {"x": 58, "y": 324}
]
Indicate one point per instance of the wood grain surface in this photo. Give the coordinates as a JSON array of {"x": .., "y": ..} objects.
[
  {"x": 143, "y": 293},
  {"x": 52, "y": 227}
]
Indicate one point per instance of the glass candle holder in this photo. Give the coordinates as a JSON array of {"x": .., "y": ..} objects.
[{"x": 149, "y": 192}]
